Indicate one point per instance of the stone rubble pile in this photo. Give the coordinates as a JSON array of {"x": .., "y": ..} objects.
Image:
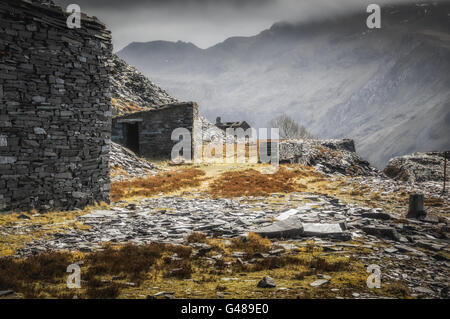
[
  {"x": 386, "y": 185},
  {"x": 211, "y": 133},
  {"x": 418, "y": 167},
  {"x": 411, "y": 250},
  {"x": 45, "y": 2},
  {"x": 128, "y": 85},
  {"x": 326, "y": 156},
  {"x": 123, "y": 158},
  {"x": 170, "y": 219}
]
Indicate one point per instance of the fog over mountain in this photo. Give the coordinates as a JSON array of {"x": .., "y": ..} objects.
[
  {"x": 206, "y": 22},
  {"x": 386, "y": 88}
]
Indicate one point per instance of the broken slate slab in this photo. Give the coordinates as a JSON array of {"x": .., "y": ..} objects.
[
  {"x": 99, "y": 214},
  {"x": 285, "y": 215},
  {"x": 165, "y": 294},
  {"x": 433, "y": 219},
  {"x": 324, "y": 230},
  {"x": 4, "y": 293},
  {"x": 267, "y": 282},
  {"x": 383, "y": 232},
  {"x": 390, "y": 250},
  {"x": 404, "y": 248},
  {"x": 319, "y": 282},
  {"x": 288, "y": 246},
  {"x": 288, "y": 228},
  {"x": 424, "y": 290},
  {"x": 372, "y": 215}
]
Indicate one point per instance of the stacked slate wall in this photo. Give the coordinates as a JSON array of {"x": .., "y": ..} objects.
[
  {"x": 55, "y": 118},
  {"x": 155, "y": 128}
]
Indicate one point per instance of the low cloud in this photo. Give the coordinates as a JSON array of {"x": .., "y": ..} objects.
[{"x": 206, "y": 22}]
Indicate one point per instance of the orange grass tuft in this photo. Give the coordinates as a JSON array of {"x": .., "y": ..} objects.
[
  {"x": 118, "y": 170},
  {"x": 251, "y": 244},
  {"x": 253, "y": 183},
  {"x": 124, "y": 107},
  {"x": 164, "y": 182}
]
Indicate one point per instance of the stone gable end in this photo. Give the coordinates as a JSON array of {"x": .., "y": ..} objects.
[{"x": 55, "y": 118}]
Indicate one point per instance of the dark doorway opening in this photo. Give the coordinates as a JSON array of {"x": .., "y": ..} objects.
[{"x": 132, "y": 137}]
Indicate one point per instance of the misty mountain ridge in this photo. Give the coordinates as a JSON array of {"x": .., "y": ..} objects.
[{"x": 387, "y": 88}]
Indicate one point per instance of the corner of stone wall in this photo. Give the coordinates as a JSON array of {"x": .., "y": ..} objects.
[{"x": 55, "y": 109}]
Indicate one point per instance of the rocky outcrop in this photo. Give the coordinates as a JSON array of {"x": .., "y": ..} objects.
[
  {"x": 417, "y": 167},
  {"x": 125, "y": 164},
  {"x": 210, "y": 132},
  {"x": 132, "y": 91},
  {"x": 327, "y": 156}
]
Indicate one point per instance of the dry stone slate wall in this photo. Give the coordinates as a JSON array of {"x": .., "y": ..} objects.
[
  {"x": 149, "y": 133},
  {"x": 55, "y": 118}
]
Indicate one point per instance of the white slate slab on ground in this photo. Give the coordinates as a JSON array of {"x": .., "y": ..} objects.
[
  {"x": 99, "y": 214},
  {"x": 288, "y": 228},
  {"x": 285, "y": 215},
  {"x": 317, "y": 229}
]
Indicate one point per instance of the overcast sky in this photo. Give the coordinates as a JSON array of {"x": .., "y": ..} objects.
[{"x": 205, "y": 22}]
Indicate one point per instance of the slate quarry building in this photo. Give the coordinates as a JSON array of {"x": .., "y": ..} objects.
[
  {"x": 55, "y": 118},
  {"x": 149, "y": 133},
  {"x": 231, "y": 125}
]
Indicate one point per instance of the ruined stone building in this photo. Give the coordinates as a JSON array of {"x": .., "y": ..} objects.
[
  {"x": 233, "y": 125},
  {"x": 149, "y": 133},
  {"x": 54, "y": 108}
]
